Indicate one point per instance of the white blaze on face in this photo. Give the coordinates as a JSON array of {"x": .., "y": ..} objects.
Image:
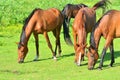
[{"x": 79, "y": 59}]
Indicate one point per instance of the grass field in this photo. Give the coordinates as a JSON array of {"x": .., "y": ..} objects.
[{"x": 46, "y": 68}]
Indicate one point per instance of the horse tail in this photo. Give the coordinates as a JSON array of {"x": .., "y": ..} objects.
[
  {"x": 65, "y": 27},
  {"x": 101, "y": 4},
  {"x": 66, "y": 33}
]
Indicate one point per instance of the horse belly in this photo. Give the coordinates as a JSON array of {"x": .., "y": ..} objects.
[{"x": 117, "y": 32}]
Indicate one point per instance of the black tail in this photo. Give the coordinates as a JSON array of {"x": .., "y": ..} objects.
[
  {"x": 101, "y": 4},
  {"x": 66, "y": 33},
  {"x": 66, "y": 29}
]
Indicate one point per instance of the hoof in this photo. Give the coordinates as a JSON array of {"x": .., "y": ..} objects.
[
  {"x": 90, "y": 68},
  {"x": 35, "y": 59},
  {"x": 55, "y": 58},
  {"x": 99, "y": 68},
  {"x": 20, "y": 62}
]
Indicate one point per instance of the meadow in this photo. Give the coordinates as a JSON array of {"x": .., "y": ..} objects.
[{"x": 12, "y": 15}]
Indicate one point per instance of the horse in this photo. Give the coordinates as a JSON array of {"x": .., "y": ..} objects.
[
  {"x": 107, "y": 26},
  {"x": 70, "y": 11},
  {"x": 82, "y": 25},
  {"x": 40, "y": 22}
]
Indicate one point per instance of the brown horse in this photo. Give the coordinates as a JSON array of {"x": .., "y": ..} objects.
[
  {"x": 108, "y": 27},
  {"x": 70, "y": 11},
  {"x": 40, "y": 22},
  {"x": 83, "y": 23}
]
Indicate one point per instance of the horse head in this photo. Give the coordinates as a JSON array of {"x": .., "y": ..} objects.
[
  {"x": 79, "y": 53},
  {"x": 92, "y": 55},
  {"x": 22, "y": 51}
]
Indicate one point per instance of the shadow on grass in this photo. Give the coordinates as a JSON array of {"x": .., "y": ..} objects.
[
  {"x": 108, "y": 58},
  {"x": 17, "y": 72},
  {"x": 58, "y": 58}
]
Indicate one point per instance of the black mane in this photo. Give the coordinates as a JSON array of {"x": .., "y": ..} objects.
[
  {"x": 92, "y": 40},
  {"x": 23, "y": 37},
  {"x": 72, "y": 7},
  {"x": 29, "y": 17}
]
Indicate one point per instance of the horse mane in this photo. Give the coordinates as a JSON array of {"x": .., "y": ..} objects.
[
  {"x": 92, "y": 40},
  {"x": 69, "y": 5},
  {"x": 22, "y": 37},
  {"x": 82, "y": 5},
  {"x": 101, "y": 4},
  {"x": 29, "y": 17}
]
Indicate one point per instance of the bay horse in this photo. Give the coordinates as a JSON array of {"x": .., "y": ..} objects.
[
  {"x": 40, "y": 22},
  {"x": 70, "y": 11},
  {"x": 82, "y": 25},
  {"x": 108, "y": 26}
]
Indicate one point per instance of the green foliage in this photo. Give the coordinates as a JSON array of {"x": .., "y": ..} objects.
[
  {"x": 46, "y": 68},
  {"x": 15, "y": 11}
]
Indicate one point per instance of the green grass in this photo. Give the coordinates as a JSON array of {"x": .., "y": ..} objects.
[{"x": 46, "y": 68}]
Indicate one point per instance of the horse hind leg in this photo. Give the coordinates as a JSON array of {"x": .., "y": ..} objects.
[
  {"x": 49, "y": 45},
  {"x": 37, "y": 47},
  {"x": 56, "y": 33},
  {"x": 112, "y": 53},
  {"x": 107, "y": 44}
]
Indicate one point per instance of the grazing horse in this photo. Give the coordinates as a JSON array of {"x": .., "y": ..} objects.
[
  {"x": 83, "y": 23},
  {"x": 108, "y": 26},
  {"x": 40, "y": 22},
  {"x": 70, "y": 11}
]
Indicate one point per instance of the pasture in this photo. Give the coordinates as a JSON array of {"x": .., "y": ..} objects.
[{"x": 46, "y": 68}]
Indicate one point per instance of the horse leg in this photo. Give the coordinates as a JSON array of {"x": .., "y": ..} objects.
[
  {"x": 56, "y": 33},
  {"x": 37, "y": 46},
  {"x": 49, "y": 44},
  {"x": 108, "y": 41},
  {"x": 75, "y": 39},
  {"x": 112, "y": 53}
]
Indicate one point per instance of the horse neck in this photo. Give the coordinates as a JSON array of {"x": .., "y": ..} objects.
[
  {"x": 26, "y": 32},
  {"x": 82, "y": 36},
  {"x": 95, "y": 38}
]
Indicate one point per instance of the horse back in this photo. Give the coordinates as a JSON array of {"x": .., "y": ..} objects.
[
  {"x": 48, "y": 20},
  {"x": 86, "y": 17},
  {"x": 109, "y": 24}
]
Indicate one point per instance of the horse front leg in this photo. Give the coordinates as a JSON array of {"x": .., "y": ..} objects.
[
  {"x": 49, "y": 45},
  {"x": 37, "y": 46}
]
